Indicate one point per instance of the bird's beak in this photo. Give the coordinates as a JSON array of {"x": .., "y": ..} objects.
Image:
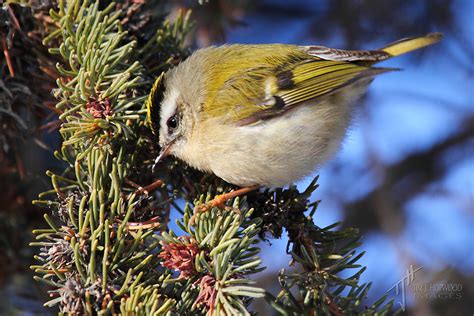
[{"x": 163, "y": 154}]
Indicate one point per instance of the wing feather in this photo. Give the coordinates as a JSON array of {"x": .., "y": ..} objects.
[
  {"x": 323, "y": 80},
  {"x": 346, "y": 55},
  {"x": 305, "y": 81}
]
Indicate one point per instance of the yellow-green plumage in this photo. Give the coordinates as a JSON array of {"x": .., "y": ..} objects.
[
  {"x": 240, "y": 74},
  {"x": 264, "y": 114},
  {"x": 246, "y": 75}
]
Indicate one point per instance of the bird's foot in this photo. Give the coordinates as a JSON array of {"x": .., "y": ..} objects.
[{"x": 221, "y": 199}]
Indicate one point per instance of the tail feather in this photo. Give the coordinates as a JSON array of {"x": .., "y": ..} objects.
[{"x": 408, "y": 44}]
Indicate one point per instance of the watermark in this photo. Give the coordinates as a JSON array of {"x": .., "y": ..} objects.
[
  {"x": 401, "y": 286},
  {"x": 437, "y": 291},
  {"x": 424, "y": 291}
]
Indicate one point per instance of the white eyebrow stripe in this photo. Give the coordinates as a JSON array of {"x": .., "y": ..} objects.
[{"x": 168, "y": 108}]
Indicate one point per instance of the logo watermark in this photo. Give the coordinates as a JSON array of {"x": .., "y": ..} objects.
[
  {"x": 400, "y": 286},
  {"x": 425, "y": 291}
]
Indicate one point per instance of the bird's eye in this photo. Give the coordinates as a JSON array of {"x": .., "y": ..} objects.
[{"x": 172, "y": 123}]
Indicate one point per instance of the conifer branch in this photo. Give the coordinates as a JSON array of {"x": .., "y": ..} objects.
[{"x": 108, "y": 248}]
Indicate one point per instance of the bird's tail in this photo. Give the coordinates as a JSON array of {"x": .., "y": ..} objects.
[{"x": 408, "y": 44}]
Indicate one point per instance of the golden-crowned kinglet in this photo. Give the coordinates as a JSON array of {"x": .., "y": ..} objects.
[{"x": 263, "y": 114}]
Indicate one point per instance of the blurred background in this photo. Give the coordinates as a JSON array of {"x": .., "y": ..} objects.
[{"x": 404, "y": 175}]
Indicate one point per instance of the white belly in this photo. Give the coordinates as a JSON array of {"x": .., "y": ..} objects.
[{"x": 276, "y": 152}]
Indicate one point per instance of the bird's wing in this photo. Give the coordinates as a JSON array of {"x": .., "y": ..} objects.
[
  {"x": 326, "y": 53},
  {"x": 281, "y": 77},
  {"x": 290, "y": 85},
  {"x": 369, "y": 57}
]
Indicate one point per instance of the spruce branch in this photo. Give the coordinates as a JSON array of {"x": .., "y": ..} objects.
[
  {"x": 89, "y": 256},
  {"x": 107, "y": 248},
  {"x": 217, "y": 256},
  {"x": 322, "y": 253}
]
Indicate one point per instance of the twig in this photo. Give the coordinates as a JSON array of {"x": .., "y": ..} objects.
[
  {"x": 151, "y": 223},
  {"x": 149, "y": 188},
  {"x": 333, "y": 308},
  {"x": 14, "y": 20},
  {"x": 7, "y": 56}
]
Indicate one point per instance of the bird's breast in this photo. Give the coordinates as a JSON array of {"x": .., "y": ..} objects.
[{"x": 275, "y": 152}]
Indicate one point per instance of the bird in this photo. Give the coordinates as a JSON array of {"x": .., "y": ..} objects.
[{"x": 263, "y": 114}]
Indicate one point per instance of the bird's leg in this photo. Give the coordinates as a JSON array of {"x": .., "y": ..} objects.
[
  {"x": 150, "y": 188},
  {"x": 220, "y": 199}
]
